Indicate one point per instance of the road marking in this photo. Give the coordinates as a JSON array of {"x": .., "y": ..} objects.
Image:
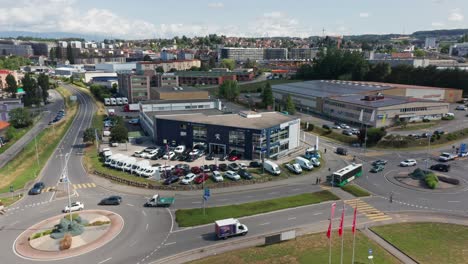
[
  {"x": 196, "y": 202},
  {"x": 296, "y": 189},
  {"x": 267, "y": 223},
  {"x": 273, "y": 193},
  {"x": 104, "y": 261},
  {"x": 130, "y": 204},
  {"x": 144, "y": 213},
  {"x": 318, "y": 213},
  {"x": 133, "y": 243},
  {"x": 168, "y": 244},
  {"x": 147, "y": 225},
  {"x": 291, "y": 218}
]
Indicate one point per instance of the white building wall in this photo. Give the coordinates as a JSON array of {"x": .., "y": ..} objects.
[
  {"x": 294, "y": 134},
  {"x": 428, "y": 94}
]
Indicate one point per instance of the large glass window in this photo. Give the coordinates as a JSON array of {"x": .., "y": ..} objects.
[
  {"x": 237, "y": 138},
  {"x": 284, "y": 133},
  {"x": 258, "y": 141},
  {"x": 199, "y": 132}
]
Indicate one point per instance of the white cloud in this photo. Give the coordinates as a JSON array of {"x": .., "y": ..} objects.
[
  {"x": 216, "y": 5},
  {"x": 456, "y": 15},
  {"x": 277, "y": 24},
  {"x": 364, "y": 15},
  {"x": 437, "y": 24}
]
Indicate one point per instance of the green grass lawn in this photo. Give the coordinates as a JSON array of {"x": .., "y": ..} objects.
[
  {"x": 419, "y": 126},
  {"x": 355, "y": 190},
  {"x": 19, "y": 134},
  {"x": 7, "y": 201},
  {"x": 308, "y": 249},
  {"x": 193, "y": 217},
  {"x": 429, "y": 243}
]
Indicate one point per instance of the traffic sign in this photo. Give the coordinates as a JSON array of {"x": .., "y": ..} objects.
[
  {"x": 207, "y": 192},
  {"x": 463, "y": 148},
  {"x": 370, "y": 251},
  {"x": 11, "y": 188}
]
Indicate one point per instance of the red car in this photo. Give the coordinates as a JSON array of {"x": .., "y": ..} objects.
[
  {"x": 196, "y": 170},
  {"x": 201, "y": 178},
  {"x": 178, "y": 171},
  {"x": 233, "y": 158}
]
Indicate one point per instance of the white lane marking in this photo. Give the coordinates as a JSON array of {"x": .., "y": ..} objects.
[
  {"x": 453, "y": 201},
  {"x": 291, "y": 218},
  {"x": 144, "y": 213},
  {"x": 172, "y": 220},
  {"x": 318, "y": 213},
  {"x": 133, "y": 243},
  {"x": 267, "y": 223},
  {"x": 168, "y": 244},
  {"x": 104, "y": 261},
  {"x": 130, "y": 204},
  {"x": 296, "y": 189},
  {"x": 196, "y": 202},
  {"x": 273, "y": 193},
  {"x": 147, "y": 225}
]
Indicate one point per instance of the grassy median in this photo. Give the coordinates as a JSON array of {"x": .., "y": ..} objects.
[
  {"x": 305, "y": 250},
  {"x": 25, "y": 166},
  {"x": 193, "y": 217},
  {"x": 429, "y": 243},
  {"x": 355, "y": 190}
]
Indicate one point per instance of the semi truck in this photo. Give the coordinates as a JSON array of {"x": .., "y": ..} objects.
[
  {"x": 229, "y": 227},
  {"x": 131, "y": 108},
  {"x": 158, "y": 201}
]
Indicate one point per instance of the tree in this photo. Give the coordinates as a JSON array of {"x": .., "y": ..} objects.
[
  {"x": 267, "y": 95},
  {"x": 33, "y": 93},
  {"x": 374, "y": 135},
  {"x": 43, "y": 82},
  {"x": 114, "y": 88},
  {"x": 173, "y": 70},
  {"x": 119, "y": 133},
  {"x": 159, "y": 69},
  {"x": 228, "y": 63},
  {"x": 229, "y": 90},
  {"x": 378, "y": 72},
  {"x": 12, "y": 85},
  {"x": 89, "y": 135},
  {"x": 290, "y": 107},
  {"x": 20, "y": 117},
  {"x": 419, "y": 53},
  {"x": 250, "y": 64}
]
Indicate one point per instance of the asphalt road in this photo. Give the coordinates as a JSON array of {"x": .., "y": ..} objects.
[{"x": 150, "y": 233}]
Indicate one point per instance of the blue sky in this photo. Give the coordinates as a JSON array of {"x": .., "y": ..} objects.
[{"x": 146, "y": 19}]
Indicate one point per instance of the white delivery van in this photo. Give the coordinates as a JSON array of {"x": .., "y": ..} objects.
[
  {"x": 125, "y": 100},
  {"x": 106, "y": 133},
  {"x": 271, "y": 167},
  {"x": 129, "y": 163},
  {"x": 119, "y": 100},
  {"x": 304, "y": 163},
  {"x": 113, "y": 101},
  {"x": 106, "y": 101}
]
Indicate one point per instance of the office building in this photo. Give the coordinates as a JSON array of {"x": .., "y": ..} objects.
[
  {"x": 275, "y": 54},
  {"x": 302, "y": 53},
  {"x": 242, "y": 54},
  {"x": 143, "y": 67},
  {"x": 430, "y": 43},
  {"x": 178, "y": 93},
  {"x": 135, "y": 87}
]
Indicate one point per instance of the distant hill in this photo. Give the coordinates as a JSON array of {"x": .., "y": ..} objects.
[
  {"x": 441, "y": 32},
  {"x": 49, "y": 35}
]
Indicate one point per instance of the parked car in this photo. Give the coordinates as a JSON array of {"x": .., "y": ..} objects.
[
  {"x": 169, "y": 155},
  {"x": 233, "y": 166},
  {"x": 379, "y": 162},
  {"x": 232, "y": 175},
  {"x": 37, "y": 188},
  {"x": 344, "y": 126},
  {"x": 245, "y": 174},
  {"x": 182, "y": 166},
  {"x": 213, "y": 167},
  {"x": 188, "y": 178},
  {"x": 217, "y": 176},
  {"x": 408, "y": 163},
  {"x": 179, "y": 149},
  {"x": 355, "y": 131},
  {"x": 440, "y": 167},
  {"x": 234, "y": 157},
  {"x": 111, "y": 200},
  {"x": 75, "y": 206},
  {"x": 377, "y": 168},
  {"x": 445, "y": 156},
  {"x": 223, "y": 167},
  {"x": 315, "y": 162},
  {"x": 460, "y": 107},
  {"x": 114, "y": 144},
  {"x": 341, "y": 151},
  {"x": 205, "y": 168},
  {"x": 425, "y": 135},
  {"x": 210, "y": 156},
  {"x": 195, "y": 170},
  {"x": 171, "y": 179},
  {"x": 439, "y": 132},
  {"x": 347, "y": 132},
  {"x": 463, "y": 154},
  {"x": 326, "y": 127},
  {"x": 294, "y": 168},
  {"x": 201, "y": 178},
  {"x": 182, "y": 157},
  {"x": 196, "y": 152},
  {"x": 138, "y": 153},
  {"x": 255, "y": 164},
  {"x": 134, "y": 121}
]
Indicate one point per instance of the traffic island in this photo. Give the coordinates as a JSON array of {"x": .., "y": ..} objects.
[
  {"x": 426, "y": 180},
  {"x": 60, "y": 237}
]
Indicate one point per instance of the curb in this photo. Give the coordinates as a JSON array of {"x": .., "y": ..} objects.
[{"x": 388, "y": 242}]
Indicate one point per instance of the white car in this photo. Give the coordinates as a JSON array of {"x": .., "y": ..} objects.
[
  {"x": 195, "y": 152},
  {"x": 179, "y": 149},
  {"x": 232, "y": 175},
  {"x": 315, "y": 162},
  {"x": 408, "y": 163},
  {"x": 75, "y": 206},
  {"x": 463, "y": 154},
  {"x": 188, "y": 178},
  {"x": 169, "y": 155},
  {"x": 138, "y": 153},
  {"x": 296, "y": 168},
  {"x": 217, "y": 176},
  {"x": 446, "y": 156}
]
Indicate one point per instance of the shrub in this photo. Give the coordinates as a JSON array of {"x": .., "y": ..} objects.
[
  {"x": 448, "y": 180},
  {"x": 419, "y": 174},
  {"x": 99, "y": 223},
  {"x": 66, "y": 242},
  {"x": 431, "y": 180}
]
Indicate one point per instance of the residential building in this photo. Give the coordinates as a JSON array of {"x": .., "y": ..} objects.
[
  {"x": 178, "y": 65},
  {"x": 13, "y": 48},
  {"x": 116, "y": 67},
  {"x": 191, "y": 78},
  {"x": 242, "y": 54},
  {"x": 430, "y": 43},
  {"x": 459, "y": 49}
]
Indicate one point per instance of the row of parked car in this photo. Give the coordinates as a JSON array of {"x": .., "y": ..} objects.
[
  {"x": 60, "y": 114},
  {"x": 301, "y": 163}
]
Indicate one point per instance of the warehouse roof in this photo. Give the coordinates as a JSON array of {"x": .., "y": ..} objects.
[
  {"x": 385, "y": 101},
  {"x": 204, "y": 73},
  {"x": 326, "y": 88},
  {"x": 176, "y": 101},
  {"x": 265, "y": 120},
  {"x": 177, "y": 89}
]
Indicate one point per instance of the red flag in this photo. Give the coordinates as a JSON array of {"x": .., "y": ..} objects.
[
  {"x": 354, "y": 220},
  {"x": 331, "y": 219},
  {"x": 340, "y": 230}
]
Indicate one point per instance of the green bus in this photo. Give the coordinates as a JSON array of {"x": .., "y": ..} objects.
[{"x": 342, "y": 177}]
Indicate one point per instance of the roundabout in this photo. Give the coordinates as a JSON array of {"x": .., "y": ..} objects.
[{"x": 100, "y": 227}]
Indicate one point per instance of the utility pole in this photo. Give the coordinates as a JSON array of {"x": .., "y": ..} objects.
[{"x": 37, "y": 154}]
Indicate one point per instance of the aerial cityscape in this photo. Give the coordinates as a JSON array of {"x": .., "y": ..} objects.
[{"x": 147, "y": 132}]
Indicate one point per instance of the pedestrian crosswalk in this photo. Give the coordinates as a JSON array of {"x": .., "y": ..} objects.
[
  {"x": 370, "y": 212},
  {"x": 48, "y": 189},
  {"x": 84, "y": 185}
]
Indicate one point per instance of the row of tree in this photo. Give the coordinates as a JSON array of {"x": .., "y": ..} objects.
[
  {"x": 36, "y": 89},
  {"x": 13, "y": 62},
  {"x": 345, "y": 65}
]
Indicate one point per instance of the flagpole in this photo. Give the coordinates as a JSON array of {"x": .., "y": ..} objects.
[
  {"x": 354, "y": 231},
  {"x": 342, "y": 233},
  {"x": 330, "y": 237}
]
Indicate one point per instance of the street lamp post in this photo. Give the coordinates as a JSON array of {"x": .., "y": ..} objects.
[
  {"x": 429, "y": 136},
  {"x": 67, "y": 157}
]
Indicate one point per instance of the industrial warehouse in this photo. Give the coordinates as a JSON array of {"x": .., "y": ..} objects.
[{"x": 390, "y": 103}]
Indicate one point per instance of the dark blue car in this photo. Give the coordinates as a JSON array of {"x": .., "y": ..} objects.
[{"x": 37, "y": 188}]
